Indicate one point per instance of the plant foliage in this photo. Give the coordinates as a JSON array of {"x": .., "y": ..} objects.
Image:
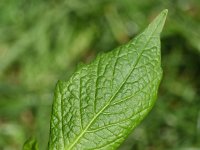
[{"x": 104, "y": 101}]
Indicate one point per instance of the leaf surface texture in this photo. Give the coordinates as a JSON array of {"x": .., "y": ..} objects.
[{"x": 104, "y": 101}]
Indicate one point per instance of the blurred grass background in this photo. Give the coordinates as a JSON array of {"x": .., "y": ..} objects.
[{"x": 42, "y": 41}]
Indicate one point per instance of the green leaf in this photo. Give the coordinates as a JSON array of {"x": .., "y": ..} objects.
[
  {"x": 104, "y": 101},
  {"x": 30, "y": 144}
]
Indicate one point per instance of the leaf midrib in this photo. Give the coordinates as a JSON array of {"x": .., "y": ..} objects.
[{"x": 108, "y": 103}]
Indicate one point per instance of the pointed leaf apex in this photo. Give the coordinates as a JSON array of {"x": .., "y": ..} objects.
[
  {"x": 165, "y": 12},
  {"x": 156, "y": 26}
]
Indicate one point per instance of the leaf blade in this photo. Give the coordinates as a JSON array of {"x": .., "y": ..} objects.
[{"x": 91, "y": 104}]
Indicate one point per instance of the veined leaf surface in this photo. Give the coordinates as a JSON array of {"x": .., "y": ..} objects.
[{"x": 104, "y": 101}]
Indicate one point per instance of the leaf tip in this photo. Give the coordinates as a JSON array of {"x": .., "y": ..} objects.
[
  {"x": 158, "y": 23},
  {"x": 163, "y": 18},
  {"x": 164, "y": 12}
]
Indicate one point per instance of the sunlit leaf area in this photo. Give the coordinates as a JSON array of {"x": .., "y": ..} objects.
[{"x": 43, "y": 41}]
